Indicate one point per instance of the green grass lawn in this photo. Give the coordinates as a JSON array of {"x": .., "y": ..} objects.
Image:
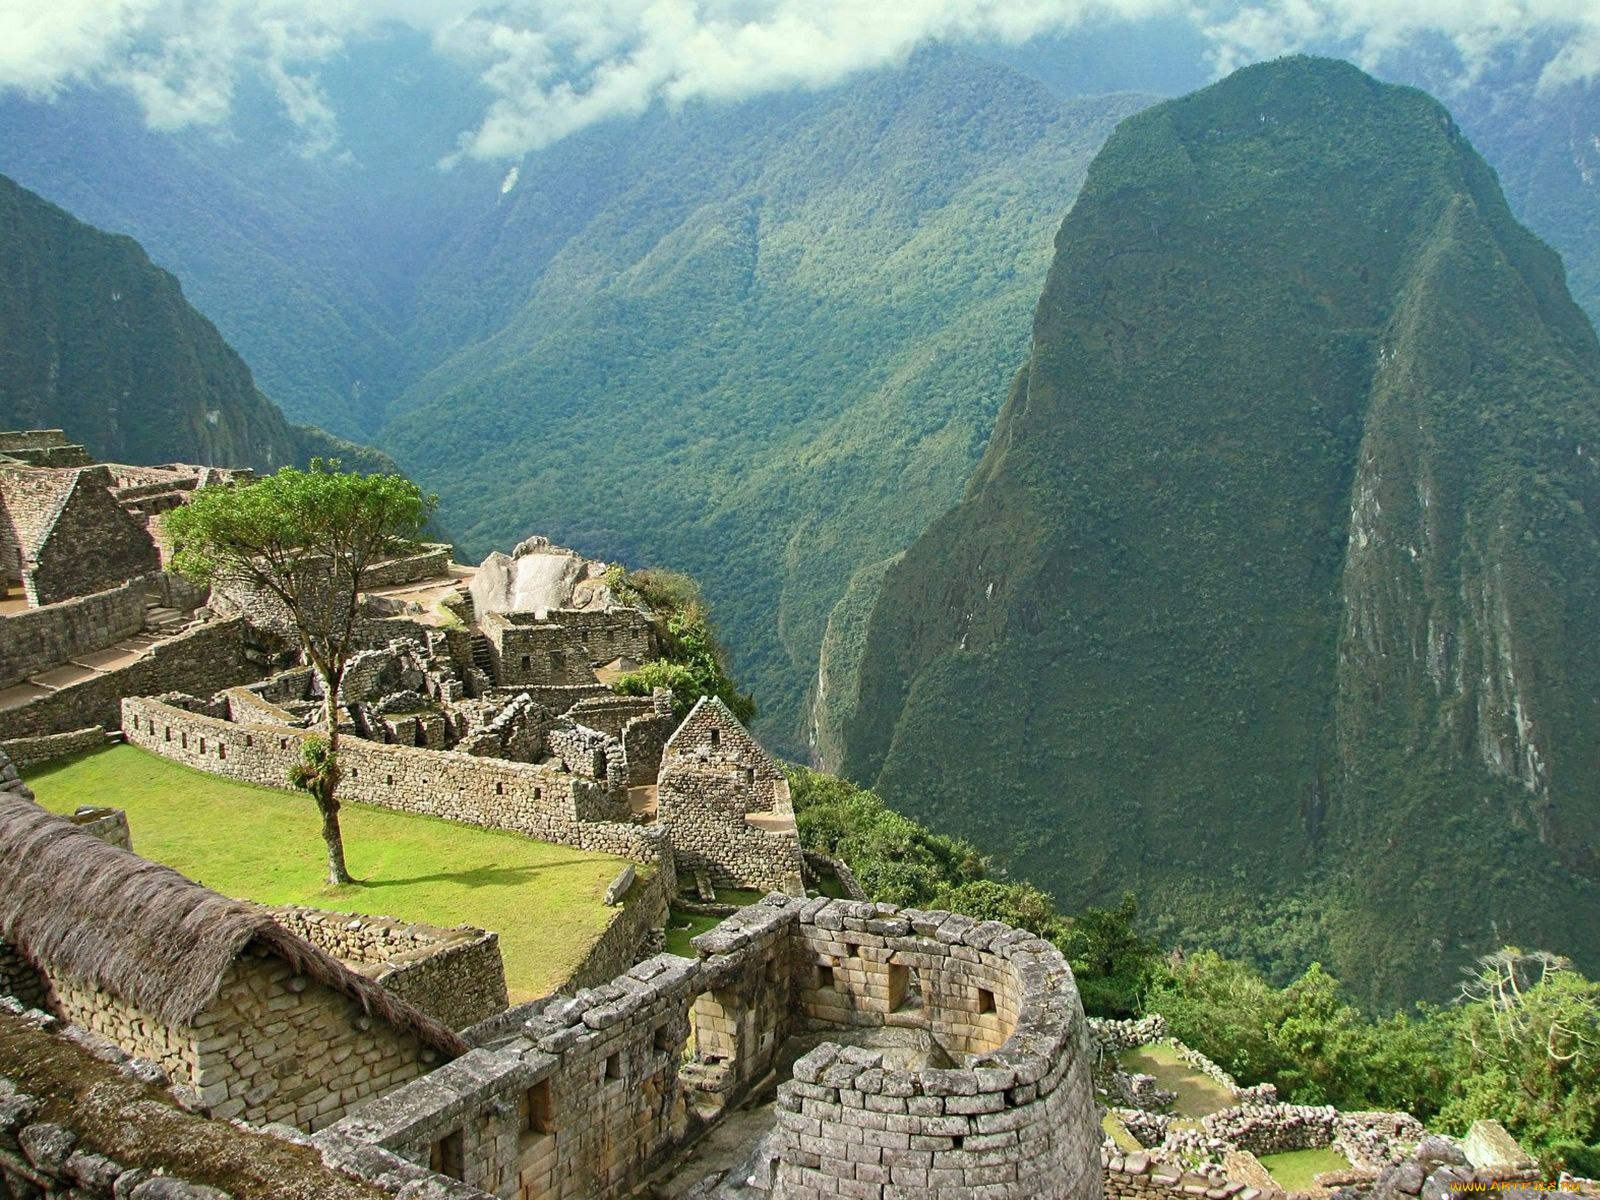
[
  {"x": 1198, "y": 1095},
  {"x": 544, "y": 901},
  {"x": 1125, "y": 1141},
  {"x": 1296, "y": 1170},
  {"x": 681, "y": 926}
]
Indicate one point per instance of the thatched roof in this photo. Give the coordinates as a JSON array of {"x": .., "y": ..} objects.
[{"x": 80, "y": 909}]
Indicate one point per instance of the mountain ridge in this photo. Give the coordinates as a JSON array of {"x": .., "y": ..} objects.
[
  {"x": 97, "y": 340},
  {"x": 1159, "y": 603}
]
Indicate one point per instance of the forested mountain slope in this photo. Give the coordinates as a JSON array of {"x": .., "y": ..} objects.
[
  {"x": 96, "y": 340},
  {"x": 764, "y": 343},
  {"x": 1273, "y": 595}
]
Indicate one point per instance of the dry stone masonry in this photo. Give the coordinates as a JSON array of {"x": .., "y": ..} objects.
[
  {"x": 580, "y": 1097},
  {"x": 454, "y": 975}
]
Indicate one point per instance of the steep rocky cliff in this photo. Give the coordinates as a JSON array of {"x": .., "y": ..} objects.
[
  {"x": 97, "y": 340},
  {"x": 1274, "y": 594}
]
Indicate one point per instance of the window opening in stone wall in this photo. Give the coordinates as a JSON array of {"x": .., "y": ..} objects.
[
  {"x": 249, "y": 739},
  {"x": 614, "y": 1065},
  {"x": 985, "y": 1000},
  {"x": 538, "y": 1109},
  {"x": 169, "y": 732},
  {"x": 222, "y": 750},
  {"x": 499, "y": 789},
  {"x": 824, "y": 975},
  {"x": 663, "y": 1041},
  {"x": 202, "y": 745},
  {"x": 527, "y": 662},
  {"x": 283, "y": 743},
  {"x": 389, "y": 780},
  {"x": 448, "y": 1156},
  {"x": 716, "y": 737},
  {"x": 538, "y": 793},
  {"x": 899, "y": 985}
]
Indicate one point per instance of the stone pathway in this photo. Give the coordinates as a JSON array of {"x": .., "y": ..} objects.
[{"x": 160, "y": 625}]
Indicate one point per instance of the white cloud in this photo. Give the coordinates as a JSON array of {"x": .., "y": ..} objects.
[
  {"x": 555, "y": 66},
  {"x": 1371, "y": 31}
]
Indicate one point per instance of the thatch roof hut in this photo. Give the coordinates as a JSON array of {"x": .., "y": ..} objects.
[
  {"x": 214, "y": 989},
  {"x": 99, "y": 915}
]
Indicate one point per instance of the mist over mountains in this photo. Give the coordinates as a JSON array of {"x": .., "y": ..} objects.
[{"x": 764, "y": 334}]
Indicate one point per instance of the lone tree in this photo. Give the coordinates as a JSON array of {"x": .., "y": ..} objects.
[{"x": 308, "y": 539}]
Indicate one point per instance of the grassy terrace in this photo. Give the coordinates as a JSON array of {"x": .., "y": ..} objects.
[
  {"x": 265, "y": 845},
  {"x": 1297, "y": 1170},
  {"x": 1198, "y": 1094}
]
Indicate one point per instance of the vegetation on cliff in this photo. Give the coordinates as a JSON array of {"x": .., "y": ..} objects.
[
  {"x": 1520, "y": 1044},
  {"x": 1270, "y": 598},
  {"x": 761, "y": 342},
  {"x": 96, "y": 340},
  {"x": 692, "y": 662}
]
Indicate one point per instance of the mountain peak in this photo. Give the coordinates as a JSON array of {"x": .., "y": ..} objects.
[{"x": 1253, "y": 592}]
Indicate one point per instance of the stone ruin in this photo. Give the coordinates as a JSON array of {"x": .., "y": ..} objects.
[
  {"x": 902, "y": 1053},
  {"x": 914, "y": 1054},
  {"x": 487, "y": 691},
  {"x": 88, "y": 612}
]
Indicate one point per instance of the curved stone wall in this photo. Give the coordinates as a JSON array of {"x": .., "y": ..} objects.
[
  {"x": 1013, "y": 1118},
  {"x": 580, "y": 1097}
]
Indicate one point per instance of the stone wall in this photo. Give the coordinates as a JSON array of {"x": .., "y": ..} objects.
[
  {"x": 1140, "y": 1177},
  {"x": 32, "y": 751},
  {"x": 704, "y": 806},
  {"x": 1273, "y": 1128},
  {"x": 19, "y": 978},
  {"x": 276, "y": 1046},
  {"x": 711, "y": 734},
  {"x": 1016, "y": 1119},
  {"x": 578, "y": 1097},
  {"x": 561, "y": 648},
  {"x": 431, "y": 561},
  {"x": 273, "y": 1046},
  {"x": 645, "y": 910},
  {"x": 536, "y": 800},
  {"x": 454, "y": 975},
  {"x": 43, "y": 447},
  {"x": 141, "y": 1034},
  {"x": 201, "y": 661},
  {"x": 42, "y": 638},
  {"x": 110, "y": 825},
  {"x": 91, "y": 546},
  {"x": 611, "y": 713},
  {"x": 99, "y": 1126},
  {"x": 265, "y": 611}
]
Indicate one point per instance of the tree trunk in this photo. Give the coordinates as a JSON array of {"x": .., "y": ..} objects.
[
  {"x": 337, "y": 871},
  {"x": 325, "y": 793}
]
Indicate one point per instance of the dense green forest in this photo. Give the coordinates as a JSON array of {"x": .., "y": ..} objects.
[
  {"x": 770, "y": 352},
  {"x": 777, "y": 326},
  {"x": 1520, "y": 1044},
  {"x": 1270, "y": 597},
  {"x": 98, "y": 341}
]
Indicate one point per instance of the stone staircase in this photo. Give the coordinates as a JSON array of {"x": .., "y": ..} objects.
[{"x": 164, "y": 622}]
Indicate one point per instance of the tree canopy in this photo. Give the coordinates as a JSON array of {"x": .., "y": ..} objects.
[{"x": 307, "y": 539}]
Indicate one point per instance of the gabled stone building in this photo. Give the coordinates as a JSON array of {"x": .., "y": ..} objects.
[
  {"x": 258, "y": 1022},
  {"x": 64, "y": 535},
  {"x": 726, "y": 805}
]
